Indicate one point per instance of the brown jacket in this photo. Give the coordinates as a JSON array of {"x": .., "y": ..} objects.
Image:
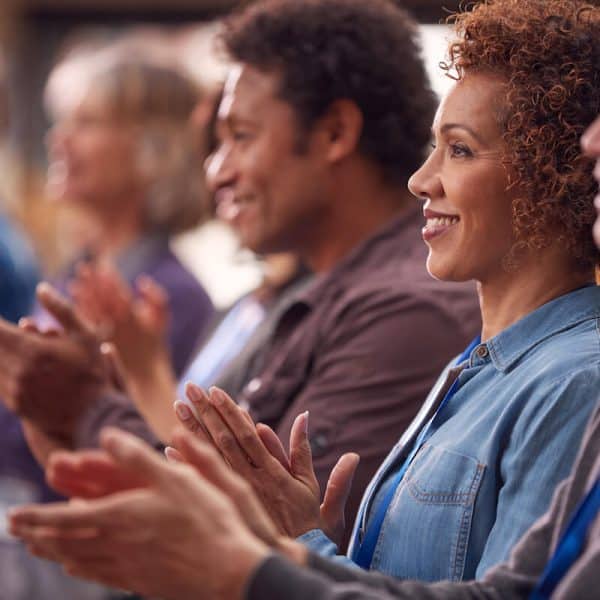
[{"x": 361, "y": 347}]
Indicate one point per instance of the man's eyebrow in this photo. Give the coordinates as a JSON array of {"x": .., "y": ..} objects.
[{"x": 447, "y": 126}]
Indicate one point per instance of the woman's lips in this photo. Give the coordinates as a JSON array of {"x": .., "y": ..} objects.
[{"x": 438, "y": 225}]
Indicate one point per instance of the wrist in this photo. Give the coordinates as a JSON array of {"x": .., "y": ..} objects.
[
  {"x": 292, "y": 550},
  {"x": 246, "y": 560}
]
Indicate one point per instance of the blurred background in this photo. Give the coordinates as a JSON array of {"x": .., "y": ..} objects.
[{"x": 38, "y": 35}]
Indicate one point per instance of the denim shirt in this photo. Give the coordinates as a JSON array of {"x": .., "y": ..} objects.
[{"x": 498, "y": 449}]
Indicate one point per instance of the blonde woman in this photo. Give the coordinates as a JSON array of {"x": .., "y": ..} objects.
[{"x": 123, "y": 152}]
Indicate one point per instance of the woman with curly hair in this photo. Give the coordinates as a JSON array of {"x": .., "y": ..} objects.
[{"x": 508, "y": 202}]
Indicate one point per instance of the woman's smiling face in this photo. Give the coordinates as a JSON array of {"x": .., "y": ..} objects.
[{"x": 465, "y": 185}]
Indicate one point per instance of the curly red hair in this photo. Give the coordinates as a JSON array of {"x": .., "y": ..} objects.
[{"x": 548, "y": 52}]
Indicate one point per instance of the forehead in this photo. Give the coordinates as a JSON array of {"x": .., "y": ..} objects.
[
  {"x": 472, "y": 101},
  {"x": 249, "y": 91}
]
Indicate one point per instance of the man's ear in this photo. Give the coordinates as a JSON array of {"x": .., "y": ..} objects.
[{"x": 342, "y": 126}]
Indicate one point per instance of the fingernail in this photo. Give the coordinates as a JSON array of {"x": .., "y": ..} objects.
[
  {"x": 44, "y": 288},
  {"x": 12, "y": 515},
  {"x": 216, "y": 396},
  {"x": 111, "y": 439},
  {"x": 170, "y": 454},
  {"x": 306, "y": 415},
  {"x": 182, "y": 411},
  {"x": 192, "y": 391}
]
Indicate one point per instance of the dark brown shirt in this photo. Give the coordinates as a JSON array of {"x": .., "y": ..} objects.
[{"x": 360, "y": 349}]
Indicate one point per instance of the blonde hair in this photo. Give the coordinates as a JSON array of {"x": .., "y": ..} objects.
[{"x": 158, "y": 101}]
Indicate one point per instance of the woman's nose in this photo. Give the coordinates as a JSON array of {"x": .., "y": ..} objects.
[{"x": 425, "y": 181}]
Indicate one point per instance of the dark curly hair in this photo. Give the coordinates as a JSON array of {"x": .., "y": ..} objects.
[
  {"x": 548, "y": 52},
  {"x": 358, "y": 50}
]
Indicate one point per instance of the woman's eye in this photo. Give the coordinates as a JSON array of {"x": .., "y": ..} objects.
[{"x": 459, "y": 150}]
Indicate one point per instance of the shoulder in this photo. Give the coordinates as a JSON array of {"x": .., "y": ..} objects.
[
  {"x": 404, "y": 290},
  {"x": 572, "y": 354},
  {"x": 556, "y": 397},
  {"x": 179, "y": 283}
]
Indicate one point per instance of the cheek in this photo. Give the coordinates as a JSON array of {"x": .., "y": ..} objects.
[
  {"x": 252, "y": 173},
  {"x": 119, "y": 159},
  {"x": 489, "y": 209}
]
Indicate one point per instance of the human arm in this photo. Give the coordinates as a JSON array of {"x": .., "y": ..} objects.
[
  {"x": 136, "y": 324},
  {"x": 51, "y": 379},
  {"x": 59, "y": 382},
  {"x": 542, "y": 450},
  {"x": 256, "y": 453},
  {"x": 53, "y": 532},
  {"x": 516, "y": 578},
  {"x": 348, "y": 357},
  {"x": 321, "y": 579},
  {"x": 174, "y": 535}
]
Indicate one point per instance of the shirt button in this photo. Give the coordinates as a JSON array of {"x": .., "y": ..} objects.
[
  {"x": 482, "y": 351},
  {"x": 254, "y": 385},
  {"x": 319, "y": 444}
]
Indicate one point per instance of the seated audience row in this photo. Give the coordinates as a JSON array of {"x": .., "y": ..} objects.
[
  {"x": 310, "y": 162},
  {"x": 321, "y": 171}
]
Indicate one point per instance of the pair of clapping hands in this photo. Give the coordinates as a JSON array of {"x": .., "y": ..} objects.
[
  {"x": 50, "y": 378},
  {"x": 135, "y": 323},
  {"x": 195, "y": 526}
]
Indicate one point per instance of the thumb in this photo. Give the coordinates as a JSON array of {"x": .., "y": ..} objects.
[
  {"x": 153, "y": 303},
  {"x": 59, "y": 307},
  {"x": 301, "y": 464},
  {"x": 133, "y": 455},
  {"x": 337, "y": 491},
  {"x": 116, "y": 369}
]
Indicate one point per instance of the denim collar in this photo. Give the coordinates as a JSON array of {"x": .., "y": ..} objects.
[{"x": 564, "y": 312}]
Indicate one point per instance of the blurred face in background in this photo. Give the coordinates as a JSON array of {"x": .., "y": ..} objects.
[{"x": 92, "y": 157}]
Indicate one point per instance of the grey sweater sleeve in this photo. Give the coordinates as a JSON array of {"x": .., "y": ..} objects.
[{"x": 324, "y": 580}]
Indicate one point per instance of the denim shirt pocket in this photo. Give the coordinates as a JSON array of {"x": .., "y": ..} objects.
[{"x": 425, "y": 533}]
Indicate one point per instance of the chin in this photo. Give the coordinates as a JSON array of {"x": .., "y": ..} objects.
[
  {"x": 254, "y": 244},
  {"x": 444, "y": 270}
]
